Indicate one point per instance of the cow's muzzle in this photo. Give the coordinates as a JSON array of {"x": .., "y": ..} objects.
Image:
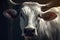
[{"x": 29, "y": 32}]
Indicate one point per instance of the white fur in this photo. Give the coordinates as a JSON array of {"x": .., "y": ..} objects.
[{"x": 47, "y": 27}]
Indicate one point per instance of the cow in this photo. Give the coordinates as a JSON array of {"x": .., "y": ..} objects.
[
  {"x": 46, "y": 26},
  {"x": 36, "y": 24}
]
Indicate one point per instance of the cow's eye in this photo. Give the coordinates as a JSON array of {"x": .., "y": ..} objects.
[
  {"x": 49, "y": 16},
  {"x": 39, "y": 16}
]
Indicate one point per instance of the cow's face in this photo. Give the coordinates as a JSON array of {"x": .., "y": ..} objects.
[
  {"x": 31, "y": 15},
  {"x": 28, "y": 20},
  {"x": 32, "y": 24}
]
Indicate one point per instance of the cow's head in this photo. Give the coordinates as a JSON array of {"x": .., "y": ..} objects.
[
  {"x": 30, "y": 15},
  {"x": 32, "y": 19}
]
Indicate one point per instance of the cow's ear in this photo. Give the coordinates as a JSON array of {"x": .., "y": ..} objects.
[
  {"x": 10, "y": 13},
  {"x": 49, "y": 16}
]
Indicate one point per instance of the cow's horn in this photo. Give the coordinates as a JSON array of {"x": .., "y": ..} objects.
[
  {"x": 47, "y": 4},
  {"x": 11, "y": 1}
]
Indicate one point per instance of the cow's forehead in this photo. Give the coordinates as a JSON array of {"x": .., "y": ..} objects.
[
  {"x": 31, "y": 9},
  {"x": 26, "y": 10}
]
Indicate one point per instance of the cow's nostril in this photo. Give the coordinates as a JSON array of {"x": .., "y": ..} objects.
[{"x": 29, "y": 32}]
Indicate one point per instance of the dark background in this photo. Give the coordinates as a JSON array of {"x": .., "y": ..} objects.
[{"x": 5, "y": 23}]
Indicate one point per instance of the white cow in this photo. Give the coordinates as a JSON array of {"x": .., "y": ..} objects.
[
  {"x": 36, "y": 23},
  {"x": 46, "y": 29},
  {"x": 29, "y": 14}
]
